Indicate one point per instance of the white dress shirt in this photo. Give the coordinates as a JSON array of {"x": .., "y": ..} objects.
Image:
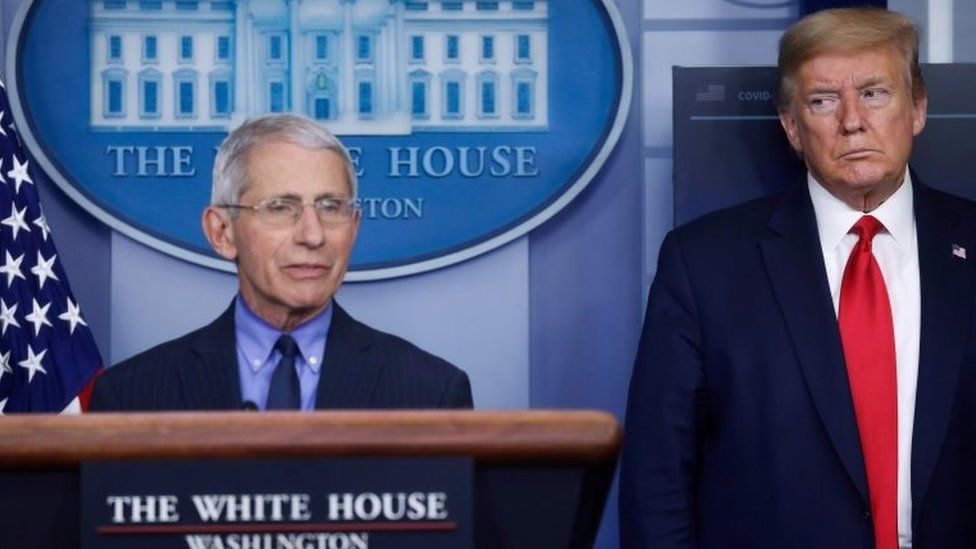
[{"x": 895, "y": 248}]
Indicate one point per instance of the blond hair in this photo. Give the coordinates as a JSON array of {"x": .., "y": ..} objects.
[{"x": 845, "y": 30}]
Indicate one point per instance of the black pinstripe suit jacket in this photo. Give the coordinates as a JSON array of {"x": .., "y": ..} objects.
[{"x": 362, "y": 368}]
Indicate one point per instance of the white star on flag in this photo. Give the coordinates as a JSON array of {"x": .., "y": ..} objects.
[
  {"x": 73, "y": 316},
  {"x": 38, "y": 317},
  {"x": 2, "y": 113},
  {"x": 19, "y": 173},
  {"x": 41, "y": 223},
  {"x": 16, "y": 220},
  {"x": 7, "y": 316},
  {"x": 2, "y": 178},
  {"x": 33, "y": 363},
  {"x": 3, "y": 404},
  {"x": 11, "y": 268},
  {"x": 5, "y": 364},
  {"x": 43, "y": 270}
]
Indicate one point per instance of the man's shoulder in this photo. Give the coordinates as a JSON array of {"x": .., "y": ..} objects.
[
  {"x": 162, "y": 355},
  {"x": 409, "y": 377},
  {"x": 403, "y": 353},
  {"x": 148, "y": 379},
  {"x": 747, "y": 220}
]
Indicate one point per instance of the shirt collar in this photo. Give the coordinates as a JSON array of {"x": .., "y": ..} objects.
[
  {"x": 256, "y": 338},
  {"x": 835, "y": 218}
]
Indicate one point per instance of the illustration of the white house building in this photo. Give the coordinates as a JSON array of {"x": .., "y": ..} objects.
[{"x": 361, "y": 66}]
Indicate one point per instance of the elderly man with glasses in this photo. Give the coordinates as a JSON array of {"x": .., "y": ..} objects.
[{"x": 284, "y": 209}]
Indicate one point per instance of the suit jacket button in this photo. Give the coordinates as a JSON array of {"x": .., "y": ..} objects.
[{"x": 865, "y": 515}]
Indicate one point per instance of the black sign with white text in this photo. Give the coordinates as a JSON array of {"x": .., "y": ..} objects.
[{"x": 368, "y": 503}]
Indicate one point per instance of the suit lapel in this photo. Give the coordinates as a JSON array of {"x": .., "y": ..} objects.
[
  {"x": 211, "y": 381},
  {"x": 348, "y": 376},
  {"x": 946, "y": 295},
  {"x": 794, "y": 262}
]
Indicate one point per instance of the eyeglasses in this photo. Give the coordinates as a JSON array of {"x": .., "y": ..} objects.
[{"x": 283, "y": 211}]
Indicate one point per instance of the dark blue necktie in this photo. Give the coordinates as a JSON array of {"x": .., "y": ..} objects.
[{"x": 285, "y": 393}]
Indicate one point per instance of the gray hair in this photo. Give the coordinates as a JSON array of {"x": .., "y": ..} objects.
[{"x": 230, "y": 178}]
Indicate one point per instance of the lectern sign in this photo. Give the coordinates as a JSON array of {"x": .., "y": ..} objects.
[{"x": 278, "y": 504}]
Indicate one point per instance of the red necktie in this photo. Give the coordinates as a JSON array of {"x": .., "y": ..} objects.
[{"x": 867, "y": 332}]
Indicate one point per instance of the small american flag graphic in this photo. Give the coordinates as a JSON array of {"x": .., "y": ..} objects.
[
  {"x": 711, "y": 92},
  {"x": 959, "y": 251}
]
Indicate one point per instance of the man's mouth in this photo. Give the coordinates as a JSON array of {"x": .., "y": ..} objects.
[
  {"x": 306, "y": 270},
  {"x": 858, "y": 154}
]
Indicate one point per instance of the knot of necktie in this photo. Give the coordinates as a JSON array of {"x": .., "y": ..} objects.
[
  {"x": 865, "y": 229},
  {"x": 287, "y": 346}
]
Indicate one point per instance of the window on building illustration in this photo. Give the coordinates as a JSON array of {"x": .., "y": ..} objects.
[
  {"x": 149, "y": 86},
  {"x": 487, "y": 95},
  {"x": 150, "y": 98},
  {"x": 523, "y": 48},
  {"x": 186, "y": 48},
  {"x": 364, "y": 48},
  {"x": 223, "y": 48},
  {"x": 274, "y": 47},
  {"x": 486, "y": 6},
  {"x": 418, "y": 99},
  {"x": 114, "y": 49},
  {"x": 365, "y": 98},
  {"x": 452, "y": 99},
  {"x": 487, "y": 48},
  {"x": 416, "y": 48},
  {"x": 150, "y": 4},
  {"x": 322, "y": 107},
  {"x": 523, "y": 99},
  {"x": 523, "y": 6},
  {"x": 416, "y": 6},
  {"x": 452, "y": 48},
  {"x": 187, "y": 5},
  {"x": 221, "y": 98},
  {"x": 276, "y": 97},
  {"x": 452, "y": 6},
  {"x": 321, "y": 47},
  {"x": 184, "y": 99},
  {"x": 115, "y": 98},
  {"x": 523, "y": 93},
  {"x": 222, "y": 6},
  {"x": 114, "y": 4},
  {"x": 149, "y": 48}
]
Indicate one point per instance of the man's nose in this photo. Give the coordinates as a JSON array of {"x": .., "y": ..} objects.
[
  {"x": 851, "y": 115},
  {"x": 309, "y": 229}
]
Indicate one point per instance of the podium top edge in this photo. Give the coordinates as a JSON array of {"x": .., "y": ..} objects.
[{"x": 538, "y": 436}]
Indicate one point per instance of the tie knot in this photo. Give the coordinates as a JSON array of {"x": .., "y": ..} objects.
[
  {"x": 286, "y": 346},
  {"x": 867, "y": 227}
]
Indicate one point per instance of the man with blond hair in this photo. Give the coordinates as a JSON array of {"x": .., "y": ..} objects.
[{"x": 805, "y": 377}]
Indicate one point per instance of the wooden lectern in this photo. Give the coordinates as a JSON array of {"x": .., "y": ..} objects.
[{"x": 541, "y": 477}]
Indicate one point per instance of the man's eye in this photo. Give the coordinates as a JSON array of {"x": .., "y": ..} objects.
[
  {"x": 821, "y": 104},
  {"x": 328, "y": 206},
  {"x": 279, "y": 206}
]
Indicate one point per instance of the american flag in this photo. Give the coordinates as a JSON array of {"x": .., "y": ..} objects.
[{"x": 47, "y": 352}]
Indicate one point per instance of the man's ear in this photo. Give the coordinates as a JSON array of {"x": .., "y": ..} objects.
[
  {"x": 219, "y": 230},
  {"x": 788, "y": 120},
  {"x": 919, "y": 112}
]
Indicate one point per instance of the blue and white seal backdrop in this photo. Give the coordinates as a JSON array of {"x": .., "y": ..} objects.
[{"x": 460, "y": 146}]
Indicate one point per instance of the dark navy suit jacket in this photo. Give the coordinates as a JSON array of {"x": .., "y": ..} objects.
[
  {"x": 740, "y": 428},
  {"x": 362, "y": 368}
]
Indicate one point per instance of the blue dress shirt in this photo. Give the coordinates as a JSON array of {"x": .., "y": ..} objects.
[{"x": 257, "y": 357}]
